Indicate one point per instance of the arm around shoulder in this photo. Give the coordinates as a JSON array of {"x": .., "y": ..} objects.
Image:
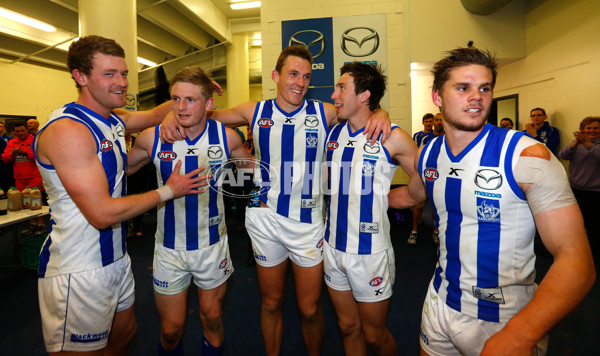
[{"x": 237, "y": 116}]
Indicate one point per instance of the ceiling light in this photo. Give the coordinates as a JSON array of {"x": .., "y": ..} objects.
[
  {"x": 257, "y": 42},
  {"x": 26, "y": 20},
  {"x": 245, "y": 5},
  {"x": 146, "y": 62}
]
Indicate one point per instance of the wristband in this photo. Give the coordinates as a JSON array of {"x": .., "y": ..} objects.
[{"x": 165, "y": 192}]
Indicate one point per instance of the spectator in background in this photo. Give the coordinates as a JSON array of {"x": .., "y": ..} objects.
[
  {"x": 33, "y": 126},
  {"x": 3, "y": 135},
  {"x": 507, "y": 123},
  {"x": 426, "y": 134},
  {"x": 541, "y": 130},
  {"x": 584, "y": 174},
  {"x": 18, "y": 151}
]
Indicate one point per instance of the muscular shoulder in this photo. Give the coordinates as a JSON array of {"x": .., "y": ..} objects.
[{"x": 538, "y": 150}]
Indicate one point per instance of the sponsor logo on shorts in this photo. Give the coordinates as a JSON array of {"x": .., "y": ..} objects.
[
  {"x": 327, "y": 277},
  {"x": 309, "y": 203},
  {"x": 493, "y": 295},
  {"x": 376, "y": 281},
  {"x": 320, "y": 243},
  {"x": 106, "y": 145},
  {"x": 215, "y": 220},
  {"x": 159, "y": 283},
  {"x": 424, "y": 337},
  {"x": 89, "y": 337},
  {"x": 431, "y": 174},
  {"x": 223, "y": 263},
  {"x": 369, "y": 228},
  {"x": 260, "y": 257}
]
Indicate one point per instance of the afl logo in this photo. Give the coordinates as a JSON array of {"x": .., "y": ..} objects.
[
  {"x": 167, "y": 155},
  {"x": 320, "y": 243},
  {"x": 431, "y": 174},
  {"x": 223, "y": 264},
  {"x": 332, "y": 145},
  {"x": 106, "y": 145},
  {"x": 265, "y": 122},
  {"x": 376, "y": 281},
  {"x": 488, "y": 179}
]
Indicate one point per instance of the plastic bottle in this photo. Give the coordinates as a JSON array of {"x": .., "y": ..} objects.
[
  {"x": 15, "y": 199},
  {"x": 36, "y": 199},
  {"x": 26, "y": 198},
  {"x": 3, "y": 203},
  {"x": 254, "y": 201}
]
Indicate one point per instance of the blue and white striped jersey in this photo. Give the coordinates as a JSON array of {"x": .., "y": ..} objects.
[
  {"x": 486, "y": 260},
  {"x": 192, "y": 221},
  {"x": 359, "y": 176},
  {"x": 73, "y": 244},
  {"x": 289, "y": 151}
]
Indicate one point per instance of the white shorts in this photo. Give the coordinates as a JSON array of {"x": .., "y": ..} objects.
[
  {"x": 173, "y": 269},
  {"x": 78, "y": 308},
  {"x": 275, "y": 238},
  {"x": 447, "y": 332},
  {"x": 370, "y": 277}
]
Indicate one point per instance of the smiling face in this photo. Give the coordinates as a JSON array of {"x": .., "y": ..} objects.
[
  {"x": 592, "y": 130},
  {"x": 346, "y": 100},
  {"x": 465, "y": 98},
  {"x": 292, "y": 82},
  {"x": 189, "y": 104},
  {"x": 105, "y": 88}
]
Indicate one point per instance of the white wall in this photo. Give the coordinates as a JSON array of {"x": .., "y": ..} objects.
[{"x": 33, "y": 90}]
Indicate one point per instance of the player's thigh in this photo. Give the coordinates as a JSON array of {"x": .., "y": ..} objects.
[
  {"x": 271, "y": 280},
  {"x": 210, "y": 301},
  {"x": 171, "y": 309},
  {"x": 309, "y": 283},
  {"x": 373, "y": 316},
  {"x": 346, "y": 309},
  {"x": 123, "y": 329}
]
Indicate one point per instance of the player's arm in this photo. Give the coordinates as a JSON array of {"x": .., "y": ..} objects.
[
  {"x": 378, "y": 123},
  {"x": 139, "y": 155},
  {"x": 136, "y": 121},
  {"x": 83, "y": 176},
  {"x": 7, "y": 155},
  {"x": 402, "y": 149},
  {"x": 571, "y": 275},
  {"x": 414, "y": 193},
  {"x": 239, "y": 115},
  {"x": 237, "y": 151}
]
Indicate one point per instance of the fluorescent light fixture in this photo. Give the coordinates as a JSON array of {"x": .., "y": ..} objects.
[
  {"x": 146, "y": 62},
  {"x": 245, "y": 5},
  {"x": 257, "y": 42},
  {"x": 414, "y": 66},
  {"x": 26, "y": 20},
  {"x": 413, "y": 74}
]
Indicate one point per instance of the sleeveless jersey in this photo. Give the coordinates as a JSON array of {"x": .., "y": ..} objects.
[
  {"x": 192, "y": 221},
  {"x": 422, "y": 138},
  {"x": 73, "y": 244},
  {"x": 359, "y": 181},
  {"x": 486, "y": 260},
  {"x": 289, "y": 152}
]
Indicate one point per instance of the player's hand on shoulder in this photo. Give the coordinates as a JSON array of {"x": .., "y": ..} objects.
[{"x": 170, "y": 130}]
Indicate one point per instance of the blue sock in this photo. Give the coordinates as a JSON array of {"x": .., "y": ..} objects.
[
  {"x": 177, "y": 351},
  {"x": 209, "y": 350}
]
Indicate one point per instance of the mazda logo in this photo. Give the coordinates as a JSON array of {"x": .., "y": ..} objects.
[
  {"x": 215, "y": 152},
  {"x": 311, "y": 121},
  {"x": 488, "y": 179},
  {"x": 319, "y": 39},
  {"x": 359, "y": 36},
  {"x": 374, "y": 149}
]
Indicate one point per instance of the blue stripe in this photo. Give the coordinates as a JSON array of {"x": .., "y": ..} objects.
[
  {"x": 166, "y": 168},
  {"x": 488, "y": 250},
  {"x": 286, "y": 173},
  {"x": 332, "y": 137},
  {"x": 493, "y": 147},
  {"x": 510, "y": 178},
  {"x": 191, "y": 209},
  {"x": 453, "y": 268},
  {"x": 45, "y": 253},
  {"x": 365, "y": 240},
  {"x": 264, "y": 134},
  {"x": 309, "y": 168},
  {"x": 341, "y": 233},
  {"x": 213, "y": 208}
]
